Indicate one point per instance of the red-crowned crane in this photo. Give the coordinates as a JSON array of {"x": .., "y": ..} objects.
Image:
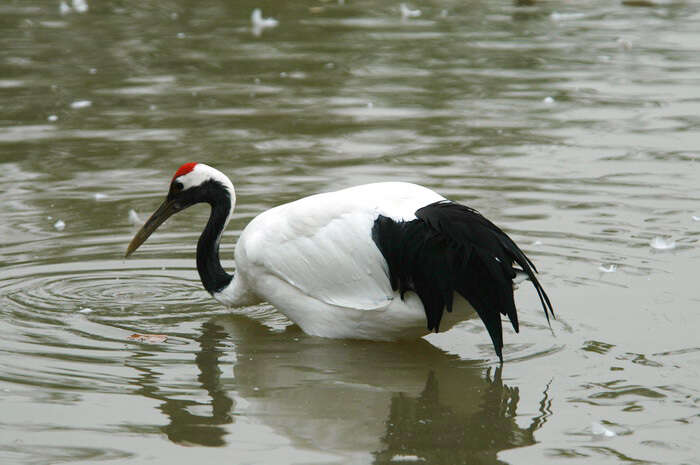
[{"x": 378, "y": 261}]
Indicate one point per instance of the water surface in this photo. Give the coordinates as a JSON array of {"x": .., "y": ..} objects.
[{"x": 573, "y": 126}]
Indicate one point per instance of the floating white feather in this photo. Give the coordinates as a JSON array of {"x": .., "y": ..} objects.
[
  {"x": 80, "y": 6},
  {"x": 599, "y": 429},
  {"x": 611, "y": 268},
  {"x": 134, "y": 218},
  {"x": 260, "y": 23},
  {"x": 659, "y": 243},
  {"x": 406, "y": 12}
]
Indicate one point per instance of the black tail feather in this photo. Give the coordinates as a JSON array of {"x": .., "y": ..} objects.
[{"x": 451, "y": 247}]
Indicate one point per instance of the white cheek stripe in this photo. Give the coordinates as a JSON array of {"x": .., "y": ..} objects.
[{"x": 202, "y": 173}]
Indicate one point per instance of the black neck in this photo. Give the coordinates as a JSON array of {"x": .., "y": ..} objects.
[{"x": 213, "y": 276}]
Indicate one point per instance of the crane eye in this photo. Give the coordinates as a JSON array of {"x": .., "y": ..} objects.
[{"x": 177, "y": 186}]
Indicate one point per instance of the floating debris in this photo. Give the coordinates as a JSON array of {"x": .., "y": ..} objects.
[
  {"x": 85, "y": 310},
  {"x": 608, "y": 268},
  {"x": 80, "y": 6},
  {"x": 151, "y": 338},
  {"x": 52, "y": 118},
  {"x": 407, "y": 458},
  {"x": 180, "y": 35},
  {"x": 598, "y": 429},
  {"x": 134, "y": 218},
  {"x": 100, "y": 196},
  {"x": 696, "y": 218},
  {"x": 624, "y": 43},
  {"x": 548, "y": 100},
  {"x": 406, "y": 12},
  {"x": 565, "y": 16},
  {"x": 260, "y": 23},
  {"x": 64, "y": 9},
  {"x": 59, "y": 225},
  {"x": 81, "y": 104},
  {"x": 659, "y": 243}
]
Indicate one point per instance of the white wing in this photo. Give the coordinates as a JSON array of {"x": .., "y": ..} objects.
[{"x": 322, "y": 245}]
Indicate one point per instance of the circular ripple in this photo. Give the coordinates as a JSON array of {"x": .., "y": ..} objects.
[{"x": 52, "y": 289}]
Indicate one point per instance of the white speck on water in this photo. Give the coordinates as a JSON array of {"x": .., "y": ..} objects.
[
  {"x": 611, "y": 268},
  {"x": 173, "y": 15},
  {"x": 257, "y": 19},
  {"x": 406, "y": 12},
  {"x": 565, "y": 16},
  {"x": 162, "y": 307},
  {"x": 260, "y": 23},
  {"x": 256, "y": 388},
  {"x": 624, "y": 43},
  {"x": 548, "y": 100},
  {"x": 80, "y": 6},
  {"x": 370, "y": 105},
  {"x": 52, "y": 118},
  {"x": 537, "y": 243},
  {"x": 59, "y": 225},
  {"x": 659, "y": 243},
  {"x": 696, "y": 218},
  {"x": 443, "y": 13},
  {"x": 283, "y": 74},
  {"x": 81, "y": 104},
  {"x": 152, "y": 107},
  {"x": 256, "y": 80},
  {"x": 180, "y": 35},
  {"x": 64, "y": 9},
  {"x": 407, "y": 458},
  {"x": 100, "y": 196},
  {"x": 93, "y": 71},
  {"x": 134, "y": 217},
  {"x": 49, "y": 217},
  {"x": 85, "y": 310},
  {"x": 599, "y": 429}
]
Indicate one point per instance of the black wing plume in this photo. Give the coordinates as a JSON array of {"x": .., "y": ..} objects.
[{"x": 451, "y": 247}]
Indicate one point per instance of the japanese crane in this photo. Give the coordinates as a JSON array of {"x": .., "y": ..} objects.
[{"x": 382, "y": 261}]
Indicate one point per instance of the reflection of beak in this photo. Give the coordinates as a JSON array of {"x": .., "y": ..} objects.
[{"x": 165, "y": 211}]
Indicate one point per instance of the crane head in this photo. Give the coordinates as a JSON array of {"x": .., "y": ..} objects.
[{"x": 192, "y": 183}]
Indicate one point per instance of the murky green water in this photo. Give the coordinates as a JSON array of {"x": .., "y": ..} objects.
[{"x": 573, "y": 125}]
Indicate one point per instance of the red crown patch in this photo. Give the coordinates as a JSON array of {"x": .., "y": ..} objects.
[{"x": 184, "y": 169}]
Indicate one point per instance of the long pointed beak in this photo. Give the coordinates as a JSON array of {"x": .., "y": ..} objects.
[{"x": 165, "y": 211}]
